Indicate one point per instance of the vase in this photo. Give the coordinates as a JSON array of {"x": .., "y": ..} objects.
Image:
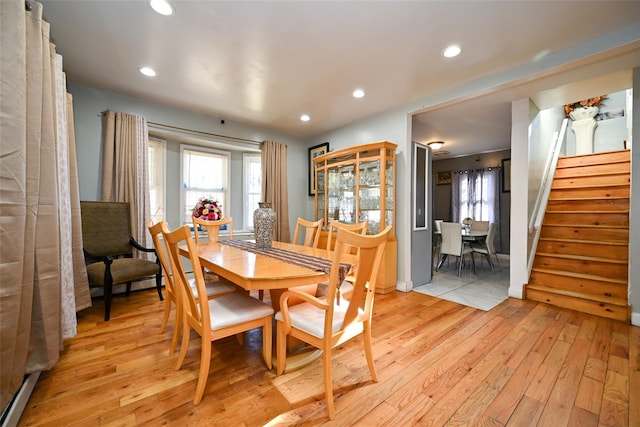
[
  {"x": 264, "y": 222},
  {"x": 583, "y": 126}
]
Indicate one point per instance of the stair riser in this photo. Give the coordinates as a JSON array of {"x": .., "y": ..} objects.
[
  {"x": 586, "y": 205},
  {"x": 599, "y": 250},
  {"x": 594, "y": 159},
  {"x": 580, "y": 285},
  {"x": 590, "y": 193},
  {"x": 589, "y": 181},
  {"x": 587, "y": 218},
  {"x": 585, "y": 233},
  {"x": 596, "y": 268},
  {"x": 624, "y": 167},
  {"x": 585, "y": 306}
]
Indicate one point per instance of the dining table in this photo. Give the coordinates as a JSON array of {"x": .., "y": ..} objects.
[{"x": 283, "y": 266}]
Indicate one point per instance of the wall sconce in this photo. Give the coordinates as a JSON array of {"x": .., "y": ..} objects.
[{"x": 435, "y": 145}]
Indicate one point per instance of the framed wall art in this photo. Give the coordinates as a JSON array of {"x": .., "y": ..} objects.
[
  {"x": 506, "y": 175},
  {"x": 315, "y": 151},
  {"x": 443, "y": 178}
]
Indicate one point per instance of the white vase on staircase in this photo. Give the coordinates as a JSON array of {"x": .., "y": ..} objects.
[{"x": 584, "y": 126}]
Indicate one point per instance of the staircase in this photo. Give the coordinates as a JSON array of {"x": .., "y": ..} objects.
[{"x": 582, "y": 256}]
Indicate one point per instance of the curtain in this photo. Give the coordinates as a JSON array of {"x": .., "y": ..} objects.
[
  {"x": 42, "y": 286},
  {"x": 274, "y": 186},
  {"x": 125, "y": 169},
  {"x": 476, "y": 194}
]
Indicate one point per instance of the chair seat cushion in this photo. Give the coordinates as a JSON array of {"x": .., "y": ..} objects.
[
  {"x": 310, "y": 318},
  {"x": 123, "y": 270},
  {"x": 213, "y": 288},
  {"x": 235, "y": 308}
]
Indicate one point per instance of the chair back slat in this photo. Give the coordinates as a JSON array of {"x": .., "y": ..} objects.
[
  {"x": 106, "y": 228},
  {"x": 334, "y": 226},
  {"x": 196, "y": 310},
  {"x": 311, "y": 232}
]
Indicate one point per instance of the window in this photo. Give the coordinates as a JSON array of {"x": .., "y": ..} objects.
[
  {"x": 476, "y": 194},
  {"x": 205, "y": 173},
  {"x": 252, "y": 169},
  {"x": 156, "y": 152}
]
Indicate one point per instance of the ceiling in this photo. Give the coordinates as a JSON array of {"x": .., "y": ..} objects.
[{"x": 264, "y": 63}]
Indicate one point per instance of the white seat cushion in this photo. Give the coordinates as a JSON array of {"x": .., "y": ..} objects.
[
  {"x": 213, "y": 288},
  {"x": 310, "y": 319},
  {"x": 235, "y": 308}
]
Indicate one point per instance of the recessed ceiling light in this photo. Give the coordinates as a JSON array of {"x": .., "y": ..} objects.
[
  {"x": 452, "y": 51},
  {"x": 358, "y": 93},
  {"x": 305, "y": 118},
  {"x": 163, "y": 7},
  {"x": 147, "y": 71}
]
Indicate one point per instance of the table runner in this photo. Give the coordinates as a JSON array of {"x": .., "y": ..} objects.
[{"x": 308, "y": 261}]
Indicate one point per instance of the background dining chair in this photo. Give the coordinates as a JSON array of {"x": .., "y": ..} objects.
[
  {"x": 213, "y": 288},
  {"x": 437, "y": 236},
  {"x": 452, "y": 244},
  {"x": 487, "y": 247},
  {"x": 325, "y": 324},
  {"x": 311, "y": 232},
  {"x": 212, "y": 228},
  {"x": 221, "y": 317},
  {"x": 108, "y": 250},
  {"x": 480, "y": 226}
]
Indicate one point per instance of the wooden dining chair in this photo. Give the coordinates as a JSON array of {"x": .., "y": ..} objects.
[
  {"x": 311, "y": 232},
  {"x": 452, "y": 244},
  {"x": 487, "y": 247},
  {"x": 221, "y": 317},
  {"x": 213, "y": 288},
  {"x": 346, "y": 288},
  {"x": 325, "y": 324},
  {"x": 212, "y": 228}
]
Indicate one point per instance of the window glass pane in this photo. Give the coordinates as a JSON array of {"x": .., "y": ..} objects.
[
  {"x": 252, "y": 186},
  {"x": 205, "y": 174},
  {"x": 156, "y": 153}
]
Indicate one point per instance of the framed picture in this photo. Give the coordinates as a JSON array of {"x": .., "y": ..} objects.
[
  {"x": 506, "y": 175},
  {"x": 443, "y": 178},
  {"x": 315, "y": 151}
]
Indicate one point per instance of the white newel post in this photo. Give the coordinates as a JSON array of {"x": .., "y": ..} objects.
[{"x": 583, "y": 126}]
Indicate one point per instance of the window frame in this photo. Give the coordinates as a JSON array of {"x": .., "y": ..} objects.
[
  {"x": 159, "y": 146},
  {"x": 247, "y": 209}
]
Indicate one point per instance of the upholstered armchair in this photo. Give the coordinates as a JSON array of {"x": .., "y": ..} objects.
[{"x": 108, "y": 249}]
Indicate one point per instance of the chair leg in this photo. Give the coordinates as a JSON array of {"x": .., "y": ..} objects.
[
  {"x": 369, "y": 352},
  {"x": 497, "y": 260},
  {"x": 281, "y": 348},
  {"x": 205, "y": 360},
  {"x": 108, "y": 290},
  {"x": 261, "y": 295},
  {"x": 128, "y": 292},
  {"x": 165, "y": 315},
  {"x": 328, "y": 382},
  {"x": 267, "y": 342},
  {"x": 186, "y": 333},
  {"x": 176, "y": 330}
]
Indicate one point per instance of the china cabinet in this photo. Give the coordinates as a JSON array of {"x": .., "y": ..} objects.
[{"x": 357, "y": 184}]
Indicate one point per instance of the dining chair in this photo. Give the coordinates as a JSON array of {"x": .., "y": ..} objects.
[
  {"x": 346, "y": 289},
  {"x": 108, "y": 248},
  {"x": 311, "y": 232},
  {"x": 213, "y": 288},
  {"x": 325, "y": 323},
  {"x": 452, "y": 244},
  {"x": 480, "y": 226},
  {"x": 212, "y": 228},
  {"x": 437, "y": 235},
  {"x": 212, "y": 319},
  {"x": 487, "y": 247}
]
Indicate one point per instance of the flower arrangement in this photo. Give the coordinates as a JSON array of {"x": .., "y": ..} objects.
[
  {"x": 591, "y": 102},
  {"x": 207, "y": 208},
  {"x": 467, "y": 221}
]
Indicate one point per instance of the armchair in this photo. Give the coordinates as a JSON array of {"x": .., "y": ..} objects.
[{"x": 108, "y": 249}]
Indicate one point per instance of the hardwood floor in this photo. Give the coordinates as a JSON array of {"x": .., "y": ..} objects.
[{"x": 440, "y": 363}]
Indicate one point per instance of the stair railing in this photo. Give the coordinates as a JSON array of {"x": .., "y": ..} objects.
[{"x": 540, "y": 206}]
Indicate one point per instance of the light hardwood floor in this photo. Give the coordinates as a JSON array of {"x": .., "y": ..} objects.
[{"x": 440, "y": 363}]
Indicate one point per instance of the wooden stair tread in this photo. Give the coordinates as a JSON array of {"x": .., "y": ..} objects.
[
  {"x": 580, "y": 275},
  {"x": 609, "y": 300},
  {"x": 583, "y": 258},
  {"x": 622, "y": 211},
  {"x": 607, "y": 199},
  {"x": 590, "y": 175},
  {"x": 590, "y": 186},
  {"x": 616, "y": 227},
  {"x": 586, "y": 242}
]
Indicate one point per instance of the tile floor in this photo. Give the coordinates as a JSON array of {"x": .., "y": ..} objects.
[{"x": 482, "y": 290}]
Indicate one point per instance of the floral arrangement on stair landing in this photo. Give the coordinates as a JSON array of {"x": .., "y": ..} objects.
[
  {"x": 591, "y": 102},
  {"x": 207, "y": 208}
]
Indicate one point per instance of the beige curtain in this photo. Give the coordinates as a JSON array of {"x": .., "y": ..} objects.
[
  {"x": 274, "y": 186},
  {"x": 125, "y": 176},
  {"x": 39, "y": 293}
]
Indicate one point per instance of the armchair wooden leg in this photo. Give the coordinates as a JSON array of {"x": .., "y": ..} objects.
[
  {"x": 108, "y": 291},
  {"x": 128, "y": 289},
  {"x": 159, "y": 285}
]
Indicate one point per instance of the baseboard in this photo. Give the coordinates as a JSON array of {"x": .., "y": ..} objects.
[
  {"x": 404, "y": 286},
  {"x": 635, "y": 319},
  {"x": 12, "y": 413}
]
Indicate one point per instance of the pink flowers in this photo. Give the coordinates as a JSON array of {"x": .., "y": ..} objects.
[
  {"x": 591, "y": 102},
  {"x": 209, "y": 209}
]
